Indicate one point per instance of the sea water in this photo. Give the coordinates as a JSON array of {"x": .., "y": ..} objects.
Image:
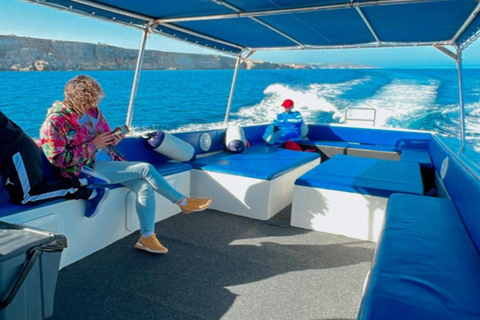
[{"x": 425, "y": 99}]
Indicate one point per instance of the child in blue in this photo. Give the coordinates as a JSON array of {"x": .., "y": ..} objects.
[{"x": 286, "y": 127}]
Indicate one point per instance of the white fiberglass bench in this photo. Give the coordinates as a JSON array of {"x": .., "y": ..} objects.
[
  {"x": 117, "y": 217},
  {"x": 348, "y": 195},
  {"x": 257, "y": 183}
]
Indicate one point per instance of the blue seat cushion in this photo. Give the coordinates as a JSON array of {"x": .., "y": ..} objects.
[
  {"x": 136, "y": 149},
  {"x": 364, "y": 175},
  {"x": 170, "y": 167},
  {"x": 260, "y": 162},
  {"x": 254, "y": 133},
  {"x": 348, "y": 145},
  {"x": 373, "y": 147},
  {"x": 263, "y": 144},
  {"x": 326, "y": 143},
  {"x": 417, "y": 155},
  {"x": 9, "y": 208},
  {"x": 425, "y": 267}
]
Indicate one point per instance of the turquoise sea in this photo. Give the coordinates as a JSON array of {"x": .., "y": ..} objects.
[{"x": 184, "y": 100}]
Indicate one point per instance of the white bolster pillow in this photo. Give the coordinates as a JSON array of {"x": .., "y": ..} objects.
[
  {"x": 235, "y": 139},
  {"x": 171, "y": 146},
  {"x": 304, "y": 130}
]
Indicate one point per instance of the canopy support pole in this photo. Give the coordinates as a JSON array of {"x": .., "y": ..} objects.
[
  {"x": 460, "y": 104},
  {"x": 232, "y": 88},
  {"x": 305, "y": 9},
  {"x": 458, "y": 59},
  {"x": 446, "y": 51},
  {"x": 465, "y": 25},
  {"x": 138, "y": 69},
  {"x": 367, "y": 23},
  {"x": 283, "y": 34}
]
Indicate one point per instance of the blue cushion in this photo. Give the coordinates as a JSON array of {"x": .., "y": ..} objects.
[
  {"x": 260, "y": 162},
  {"x": 263, "y": 144},
  {"x": 345, "y": 144},
  {"x": 420, "y": 156},
  {"x": 9, "y": 208},
  {"x": 372, "y": 147},
  {"x": 371, "y": 136},
  {"x": 325, "y": 143},
  {"x": 171, "y": 167},
  {"x": 425, "y": 266},
  {"x": 462, "y": 186},
  {"x": 364, "y": 175},
  {"x": 254, "y": 133}
]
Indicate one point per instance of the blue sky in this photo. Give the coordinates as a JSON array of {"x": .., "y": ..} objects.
[{"x": 31, "y": 20}]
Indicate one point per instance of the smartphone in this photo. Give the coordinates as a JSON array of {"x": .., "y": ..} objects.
[{"x": 120, "y": 131}]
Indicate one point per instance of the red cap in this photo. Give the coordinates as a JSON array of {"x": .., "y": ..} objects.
[{"x": 287, "y": 103}]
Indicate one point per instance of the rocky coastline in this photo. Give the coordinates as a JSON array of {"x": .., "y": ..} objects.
[{"x": 31, "y": 54}]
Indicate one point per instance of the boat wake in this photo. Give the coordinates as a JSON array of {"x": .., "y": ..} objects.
[
  {"x": 315, "y": 101},
  {"x": 399, "y": 103}
]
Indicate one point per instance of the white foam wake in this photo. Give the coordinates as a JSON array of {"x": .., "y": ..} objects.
[
  {"x": 310, "y": 101},
  {"x": 400, "y": 100},
  {"x": 472, "y": 123}
]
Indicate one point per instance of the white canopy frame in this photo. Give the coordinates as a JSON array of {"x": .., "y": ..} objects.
[
  {"x": 240, "y": 58},
  {"x": 151, "y": 25},
  {"x": 458, "y": 60},
  {"x": 247, "y": 52},
  {"x": 138, "y": 68}
]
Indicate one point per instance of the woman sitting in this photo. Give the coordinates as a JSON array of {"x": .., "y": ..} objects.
[{"x": 76, "y": 138}]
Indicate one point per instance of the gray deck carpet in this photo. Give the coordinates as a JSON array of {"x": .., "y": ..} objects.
[{"x": 220, "y": 266}]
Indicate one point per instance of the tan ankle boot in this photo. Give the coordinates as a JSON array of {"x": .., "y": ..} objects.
[
  {"x": 196, "y": 204},
  {"x": 151, "y": 244}
]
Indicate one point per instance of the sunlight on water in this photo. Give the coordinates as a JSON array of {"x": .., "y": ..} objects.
[
  {"x": 400, "y": 101},
  {"x": 398, "y": 105},
  {"x": 308, "y": 102},
  {"x": 196, "y": 100}
]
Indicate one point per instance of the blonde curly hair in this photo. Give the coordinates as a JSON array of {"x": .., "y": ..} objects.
[{"x": 82, "y": 93}]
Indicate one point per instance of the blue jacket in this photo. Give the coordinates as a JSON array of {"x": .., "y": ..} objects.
[{"x": 290, "y": 124}]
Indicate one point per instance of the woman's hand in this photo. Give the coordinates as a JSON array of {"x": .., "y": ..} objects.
[
  {"x": 103, "y": 139},
  {"x": 116, "y": 139}
]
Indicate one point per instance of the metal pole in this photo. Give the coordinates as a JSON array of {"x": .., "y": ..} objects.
[
  {"x": 200, "y": 35},
  {"x": 232, "y": 88},
  {"x": 382, "y": 44},
  {"x": 136, "y": 78},
  {"x": 374, "y": 34},
  {"x": 466, "y": 23},
  {"x": 265, "y": 13},
  {"x": 238, "y": 10},
  {"x": 461, "y": 106}
]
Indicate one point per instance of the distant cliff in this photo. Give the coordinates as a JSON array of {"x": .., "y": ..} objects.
[{"x": 30, "y": 54}]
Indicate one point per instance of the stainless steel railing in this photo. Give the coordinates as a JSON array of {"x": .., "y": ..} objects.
[{"x": 350, "y": 115}]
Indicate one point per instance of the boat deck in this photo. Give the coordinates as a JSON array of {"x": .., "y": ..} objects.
[{"x": 220, "y": 266}]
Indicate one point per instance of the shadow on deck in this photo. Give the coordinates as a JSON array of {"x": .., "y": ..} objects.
[{"x": 219, "y": 266}]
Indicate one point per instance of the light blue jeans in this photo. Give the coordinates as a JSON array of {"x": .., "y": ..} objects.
[{"x": 142, "y": 178}]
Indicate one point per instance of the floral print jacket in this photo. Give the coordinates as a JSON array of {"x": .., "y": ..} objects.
[{"x": 67, "y": 144}]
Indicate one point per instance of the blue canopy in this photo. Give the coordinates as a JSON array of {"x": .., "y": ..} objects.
[{"x": 237, "y": 25}]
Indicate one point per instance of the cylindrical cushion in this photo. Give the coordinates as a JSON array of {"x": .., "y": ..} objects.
[
  {"x": 304, "y": 130},
  {"x": 171, "y": 146},
  {"x": 235, "y": 139}
]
